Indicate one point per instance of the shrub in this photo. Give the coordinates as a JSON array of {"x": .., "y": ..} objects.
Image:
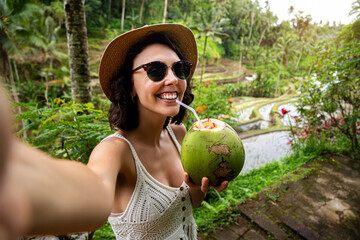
[
  {"x": 211, "y": 101},
  {"x": 213, "y": 50},
  {"x": 29, "y": 91},
  {"x": 331, "y": 94},
  {"x": 64, "y": 129},
  {"x": 266, "y": 84},
  {"x": 232, "y": 49}
]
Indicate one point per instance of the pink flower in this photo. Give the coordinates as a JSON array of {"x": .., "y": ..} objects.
[{"x": 327, "y": 125}]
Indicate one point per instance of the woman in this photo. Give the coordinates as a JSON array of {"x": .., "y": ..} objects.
[
  {"x": 143, "y": 184},
  {"x": 143, "y": 72}
]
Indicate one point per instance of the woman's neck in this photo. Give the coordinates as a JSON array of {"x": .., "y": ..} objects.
[{"x": 149, "y": 130}]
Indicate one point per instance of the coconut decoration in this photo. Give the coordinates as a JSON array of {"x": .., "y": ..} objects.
[{"x": 213, "y": 150}]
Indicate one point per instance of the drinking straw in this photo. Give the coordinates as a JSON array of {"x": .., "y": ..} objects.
[{"x": 191, "y": 109}]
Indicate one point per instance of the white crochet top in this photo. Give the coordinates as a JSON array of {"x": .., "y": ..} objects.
[{"x": 155, "y": 211}]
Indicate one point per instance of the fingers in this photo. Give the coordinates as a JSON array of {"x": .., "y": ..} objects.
[
  {"x": 204, "y": 184},
  {"x": 222, "y": 186},
  {"x": 187, "y": 180}
]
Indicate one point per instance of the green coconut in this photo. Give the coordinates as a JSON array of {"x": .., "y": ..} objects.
[{"x": 215, "y": 152}]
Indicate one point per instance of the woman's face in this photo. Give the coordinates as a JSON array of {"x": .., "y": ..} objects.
[{"x": 157, "y": 97}]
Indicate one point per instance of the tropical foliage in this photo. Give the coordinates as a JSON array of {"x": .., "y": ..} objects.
[
  {"x": 65, "y": 130},
  {"x": 318, "y": 62},
  {"x": 330, "y": 96}
]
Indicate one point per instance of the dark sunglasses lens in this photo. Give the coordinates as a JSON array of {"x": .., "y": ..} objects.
[
  {"x": 156, "y": 71},
  {"x": 182, "y": 69}
]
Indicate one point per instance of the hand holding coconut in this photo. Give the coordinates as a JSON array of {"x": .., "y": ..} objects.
[
  {"x": 197, "y": 159},
  {"x": 198, "y": 193},
  {"x": 214, "y": 151}
]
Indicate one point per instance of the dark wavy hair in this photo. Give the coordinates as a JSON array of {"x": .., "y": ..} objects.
[{"x": 123, "y": 112}]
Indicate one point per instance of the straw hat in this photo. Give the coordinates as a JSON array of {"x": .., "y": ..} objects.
[{"x": 115, "y": 52}]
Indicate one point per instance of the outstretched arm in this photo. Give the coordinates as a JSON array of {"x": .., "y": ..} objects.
[
  {"x": 41, "y": 195},
  {"x": 62, "y": 196}
]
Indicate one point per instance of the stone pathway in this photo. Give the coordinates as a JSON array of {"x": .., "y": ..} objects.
[{"x": 323, "y": 205}]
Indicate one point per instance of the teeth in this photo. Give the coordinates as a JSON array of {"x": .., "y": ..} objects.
[{"x": 169, "y": 96}]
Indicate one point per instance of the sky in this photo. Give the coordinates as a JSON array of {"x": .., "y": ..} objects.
[{"x": 325, "y": 10}]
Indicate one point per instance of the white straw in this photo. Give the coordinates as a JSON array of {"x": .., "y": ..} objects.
[{"x": 191, "y": 109}]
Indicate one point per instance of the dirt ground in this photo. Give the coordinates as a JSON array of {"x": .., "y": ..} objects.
[{"x": 321, "y": 204}]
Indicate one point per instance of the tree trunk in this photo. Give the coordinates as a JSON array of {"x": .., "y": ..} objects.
[
  {"x": 203, "y": 64},
  {"x": 4, "y": 61},
  {"x": 165, "y": 10},
  {"x": 251, "y": 25},
  {"x": 262, "y": 35},
  {"x": 277, "y": 82},
  {"x": 16, "y": 72},
  {"x": 78, "y": 50},
  {"x": 141, "y": 10},
  {"x": 15, "y": 93},
  {"x": 298, "y": 61},
  {"x": 13, "y": 87},
  {"x": 241, "y": 56},
  {"x": 285, "y": 59},
  {"x": 109, "y": 11},
  {"x": 123, "y": 15}
]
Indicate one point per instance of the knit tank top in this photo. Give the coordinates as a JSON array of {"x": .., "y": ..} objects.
[{"x": 155, "y": 211}]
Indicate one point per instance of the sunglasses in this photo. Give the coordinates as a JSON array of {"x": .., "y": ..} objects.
[{"x": 156, "y": 71}]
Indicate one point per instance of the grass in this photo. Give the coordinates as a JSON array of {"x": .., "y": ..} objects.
[
  {"x": 105, "y": 232},
  {"x": 220, "y": 208}
]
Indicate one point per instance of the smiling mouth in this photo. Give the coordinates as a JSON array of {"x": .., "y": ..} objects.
[{"x": 168, "y": 95}]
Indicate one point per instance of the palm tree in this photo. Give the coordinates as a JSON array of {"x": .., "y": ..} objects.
[
  {"x": 109, "y": 9},
  {"x": 78, "y": 50},
  {"x": 165, "y": 10},
  {"x": 305, "y": 45},
  {"x": 268, "y": 20},
  {"x": 141, "y": 10},
  {"x": 56, "y": 10},
  {"x": 123, "y": 15},
  {"x": 210, "y": 24},
  {"x": 255, "y": 53},
  {"x": 15, "y": 31},
  {"x": 285, "y": 48},
  {"x": 355, "y": 8},
  {"x": 45, "y": 38},
  {"x": 133, "y": 19}
]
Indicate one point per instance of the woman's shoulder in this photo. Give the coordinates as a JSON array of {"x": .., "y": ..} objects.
[
  {"x": 179, "y": 131},
  {"x": 113, "y": 149},
  {"x": 109, "y": 159}
]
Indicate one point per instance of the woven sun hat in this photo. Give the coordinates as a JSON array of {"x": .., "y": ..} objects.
[{"x": 115, "y": 53}]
